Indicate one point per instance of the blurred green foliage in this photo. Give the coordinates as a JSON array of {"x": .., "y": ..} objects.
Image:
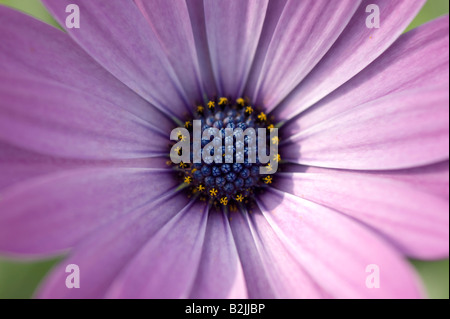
[
  {"x": 431, "y": 10},
  {"x": 19, "y": 279},
  {"x": 434, "y": 274},
  {"x": 32, "y": 7}
]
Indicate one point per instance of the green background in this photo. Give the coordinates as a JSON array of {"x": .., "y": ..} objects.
[{"x": 20, "y": 279}]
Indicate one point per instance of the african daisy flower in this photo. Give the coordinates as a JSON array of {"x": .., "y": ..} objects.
[{"x": 362, "y": 115}]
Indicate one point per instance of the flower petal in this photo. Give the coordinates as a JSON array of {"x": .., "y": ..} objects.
[
  {"x": 18, "y": 165},
  {"x": 260, "y": 284},
  {"x": 52, "y": 213},
  {"x": 415, "y": 221},
  {"x": 432, "y": 179},
  {"x": 336, "y": 251},
  {"x": 220, "y": 272},
  {"x": 356, "y": 48},
  {"x": 102, "y": 256},
  {"x": 69, "y": 123},
  {"x": 402, "y": 130},
  {"x": 177, "y": 40},
  {"x": 418, "y": 58},
  {"x": 168, "y": 262},
  {"x": 233, "y": 29},
  {"x": 118, "y": 37},
  {"x": 274, "y": 11},
  {"x": 305, "y": 32},
  {"x": 269, "y": 268},
  {"x": 32, "y": 48},
  {"x": 197, "y": 16}
]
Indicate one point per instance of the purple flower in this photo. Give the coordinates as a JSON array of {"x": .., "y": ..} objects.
[{"x": 85, "y": 119}]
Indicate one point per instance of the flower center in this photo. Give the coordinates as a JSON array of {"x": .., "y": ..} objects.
[{"x": 228, "y": 163}]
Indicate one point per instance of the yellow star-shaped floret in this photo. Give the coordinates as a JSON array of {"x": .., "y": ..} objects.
[
  {"x": 211, "y": 104},
  {"x": 277, "y": 158},
  {"x": 223, "y": 100},
  {"x": 248, "y": 110},
  {"x": 239, "y": 198},
  {"x": 267, "y": 179},
  {"x": 183, "y": 165},
  {"x": 188, "y": 179},
  {"x": 240, "y": 101},
  {"x": 177, "y": 150},
  {"x": 262, "y": 116},
  {"x": 200, "y": 109},
  {"x": 224, "y": 201},
  {"x": 275, "y": 140},
  {"x": 201, "y": 188},
  {"x": 213, "y": 192}
]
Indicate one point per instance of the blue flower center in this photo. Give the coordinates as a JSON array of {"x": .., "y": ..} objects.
[{"x": 234, "y": 179}]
